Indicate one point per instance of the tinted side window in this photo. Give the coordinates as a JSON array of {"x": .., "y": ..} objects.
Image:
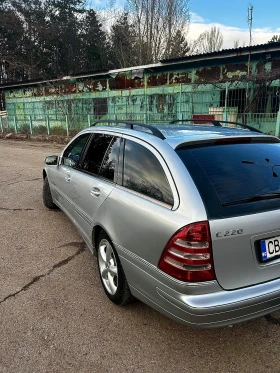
[
  {"x": 96, "y": 151},
  {"x": 109, "y": 162},
  {"x": 72, "y": 154},
  {"x": 144, "y": 174}
]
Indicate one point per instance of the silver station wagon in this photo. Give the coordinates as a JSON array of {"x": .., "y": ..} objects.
[{"x": 184, "y": 217}]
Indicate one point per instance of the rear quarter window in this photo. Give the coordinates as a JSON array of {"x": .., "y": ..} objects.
[{"x": 142, "y": 173}]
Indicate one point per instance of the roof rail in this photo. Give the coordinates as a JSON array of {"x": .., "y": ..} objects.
[
  {"x": 216, "y": 123},
  {"x": 131, "y": 125}
]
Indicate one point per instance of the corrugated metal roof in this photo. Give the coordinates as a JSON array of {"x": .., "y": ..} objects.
[
  {"x": 268, "y": 47},
  {"x": 177, "y": 61}
]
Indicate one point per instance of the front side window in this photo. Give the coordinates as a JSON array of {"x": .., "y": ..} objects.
[
  {"x": 144, "y": 174},
  {"x": 96, "y": 151},
  {"x": 72, "y": 154}
]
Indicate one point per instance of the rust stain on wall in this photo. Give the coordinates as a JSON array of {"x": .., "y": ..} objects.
[
  {"x": 124, "y": 81},
  {"x": 38, "y": 91},
  {"x": 235, "y": 67},
  {"x": 117, "y": 83},
  {"x": 275, "y": 65},
  {"x": 84, "y": 87},
  {"x": 234, "y": 71},
  {"x": 51, "y": 90},
  {"x": 180, "y": 78},
  {"x": 208, "y": 74},
  {"x": 99, "y": 85},
  {"x": 157, "y": 80},
  {"x": 134, "y": 83},
  {"x": 71, "y": 88}
]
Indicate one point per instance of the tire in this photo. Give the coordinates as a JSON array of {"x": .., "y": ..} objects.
[
  {"x": 111, "y": 272},
  {"x": 47, "y": 197}
]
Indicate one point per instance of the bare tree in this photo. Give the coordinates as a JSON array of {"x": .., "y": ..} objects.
[
  {"x": 209, "y": 41},
  {"x": 123, "y": 47},
  {"x": 157, "y": 23},
  {"x": 236, "y": 44},
  {"x": 275, "y": 38}
]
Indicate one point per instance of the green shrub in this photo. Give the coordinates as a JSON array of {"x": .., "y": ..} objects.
[
  {"x": 58, "y": 130},
  {"x": 40, "y": 130},
  {"x": 23, "y": 128}
]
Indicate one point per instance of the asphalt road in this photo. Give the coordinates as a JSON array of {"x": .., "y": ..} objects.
[{"x": 55, "y": 318}]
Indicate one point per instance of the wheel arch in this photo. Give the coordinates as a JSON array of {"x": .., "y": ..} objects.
[{"x": 97, "y": 229}]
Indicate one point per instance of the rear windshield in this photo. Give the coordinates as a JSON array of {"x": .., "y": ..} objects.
[{"x": 235, "y": 179}]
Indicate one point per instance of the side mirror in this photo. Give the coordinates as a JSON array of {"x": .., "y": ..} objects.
[{"x": 51, "y": 160}]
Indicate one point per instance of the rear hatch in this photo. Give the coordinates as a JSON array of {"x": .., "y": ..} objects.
[{"x": 239, "y": 182}]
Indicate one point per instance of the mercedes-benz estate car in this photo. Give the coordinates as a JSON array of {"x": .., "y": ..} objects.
[{"x": 184, "y": 217}]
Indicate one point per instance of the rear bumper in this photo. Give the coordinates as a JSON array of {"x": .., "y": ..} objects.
[
  {"x": 205, "y": 306},
  {"x": 222, "y": 314}
]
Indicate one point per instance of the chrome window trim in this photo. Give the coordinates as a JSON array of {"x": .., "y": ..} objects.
[
  {"x": 169, "y": 207},
  {"x": 115, "y": 134},
  {"x": 98, "y": 177},
  {"x": 61, "y": 157}
]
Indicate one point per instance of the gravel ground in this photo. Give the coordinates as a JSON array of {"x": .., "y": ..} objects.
[{"x": 55, "y": 317}]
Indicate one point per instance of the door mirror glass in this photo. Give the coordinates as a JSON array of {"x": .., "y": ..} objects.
[{"x": 51, "y": 160}]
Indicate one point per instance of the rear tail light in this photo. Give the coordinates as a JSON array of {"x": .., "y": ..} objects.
[{"x": 188, "y": 254}]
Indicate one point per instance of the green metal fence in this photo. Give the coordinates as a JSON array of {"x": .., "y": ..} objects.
[{"x": 67, "y": 114}]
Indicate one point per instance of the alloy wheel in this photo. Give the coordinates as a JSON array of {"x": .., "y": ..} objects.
[{"x": 108, "y": 266}]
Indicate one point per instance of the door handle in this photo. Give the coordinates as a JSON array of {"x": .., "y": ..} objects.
[
  {"x": 67, "y": 178},
  {"x": 95, "y": 192}
]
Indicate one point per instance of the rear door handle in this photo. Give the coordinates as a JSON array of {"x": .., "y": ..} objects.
[
  {"x": 95, "y": 192},
  {"x": 67, "y": 178}
]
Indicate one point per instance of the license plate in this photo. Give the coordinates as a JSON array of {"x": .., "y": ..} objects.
[{"x": 270, "y": 248}]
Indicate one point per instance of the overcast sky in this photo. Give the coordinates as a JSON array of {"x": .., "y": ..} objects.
[{"x": 231, "y": 17}]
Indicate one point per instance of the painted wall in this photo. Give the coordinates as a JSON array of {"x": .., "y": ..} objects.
[{"x": 162, "y": 95}]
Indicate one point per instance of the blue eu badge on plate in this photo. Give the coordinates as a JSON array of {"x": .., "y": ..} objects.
[{"x": 263, "y": 249}]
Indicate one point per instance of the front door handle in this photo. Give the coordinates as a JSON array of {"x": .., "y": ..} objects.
[{"x": 95, "y": 192}]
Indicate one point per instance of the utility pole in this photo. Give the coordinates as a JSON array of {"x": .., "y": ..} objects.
[{"x": 250, "y": 22}]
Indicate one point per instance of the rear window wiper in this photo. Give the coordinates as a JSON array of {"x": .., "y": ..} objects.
[{"x": 257, "y": 197}]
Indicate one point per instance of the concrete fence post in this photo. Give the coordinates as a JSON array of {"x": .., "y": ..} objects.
[
  {"x": 1, "y": 123},
  {"x": 15, "y": 125},
  {"x": 180, "y": 103},
  {"x": 31, "y": 125},
  {"x": 225, "y": 114},
  {"x": 67, "y": 125},
  {"x": 88, "y": 118},
  {"x": 277, "y": 126},
  {"x": 48, "y": 124}
]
